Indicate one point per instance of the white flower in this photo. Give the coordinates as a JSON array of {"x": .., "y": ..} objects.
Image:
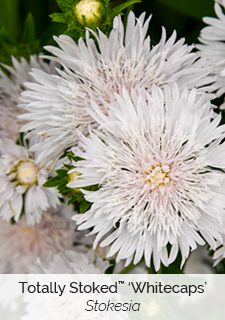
[
  {"x": 21, "y": 244},
  {"x": 212, "y": 48},
  {"x": 57, "y": 104},
  {"x": 71, "y": 262},
  {"x": 155, "y": 162},
  {"x": 221, "y": 2},
  {"x": 10, "y": 89},
  {"x": 21, "y": 183}
]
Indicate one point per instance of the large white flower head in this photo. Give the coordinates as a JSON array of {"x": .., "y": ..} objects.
[
  {"x": 154, "y": 161},
  {"x": 21, "y": 244},
  {"x": 21, "y": 184},
  {"x": 212, "y": 48},
  {"x": 57, "y": 104},
  {"x": 10, "y": 89}
]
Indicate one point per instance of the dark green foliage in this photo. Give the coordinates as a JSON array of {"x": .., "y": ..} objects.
[
  {"x": 9, "y": 18},
  {"x": 26, "y": 46},
  {"x": 18, "y": 36},
  {"x": 193, "y": 8}
]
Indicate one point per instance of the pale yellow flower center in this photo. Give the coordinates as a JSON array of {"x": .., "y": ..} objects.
[
  {"x": 27, "y": 173},
  {"x": 158, "y": 176},
  {"x": 89, "y": 9}
]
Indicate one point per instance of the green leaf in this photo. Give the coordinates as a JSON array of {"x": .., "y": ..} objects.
[
  {"x": 59, "y": 17},
  {"x": 84, "y": 206},
  {"x": 193, "y": 8},
  {"x": 124, "y": 5},
  {"x": 68, "y": 166},
  {"x": 53, "y": 182},
  {"x": 62, "y": 172},
  {"x": 29, "y": 30},
  {"x": 63, "y": 190}
]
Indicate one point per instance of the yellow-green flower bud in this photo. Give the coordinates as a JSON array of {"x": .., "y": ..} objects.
[
  {"x": 89, "y": 9},
  {"x": 71, "y": 177}
]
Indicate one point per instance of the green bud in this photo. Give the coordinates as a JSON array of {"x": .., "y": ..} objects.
[{"x": 90, "y": 9}]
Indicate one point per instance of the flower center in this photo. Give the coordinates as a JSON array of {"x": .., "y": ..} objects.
[
  {"x": 158, "y": 176},
  {"x": 27, "y": 173}
]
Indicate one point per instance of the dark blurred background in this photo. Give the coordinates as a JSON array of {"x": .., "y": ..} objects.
[{"x": 183, "y": 15}]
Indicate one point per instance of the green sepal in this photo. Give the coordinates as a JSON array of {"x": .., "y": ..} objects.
[{"x": 59, "y": 17}]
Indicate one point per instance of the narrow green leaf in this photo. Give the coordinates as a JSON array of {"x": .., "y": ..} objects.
[
  {"x": 124, "y": 5},
  {"x": 53, "y": 182},
  {"x": 29, "y": 30}
]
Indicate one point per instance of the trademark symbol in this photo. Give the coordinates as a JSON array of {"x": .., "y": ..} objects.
[{"x": 121, "y": 282}]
